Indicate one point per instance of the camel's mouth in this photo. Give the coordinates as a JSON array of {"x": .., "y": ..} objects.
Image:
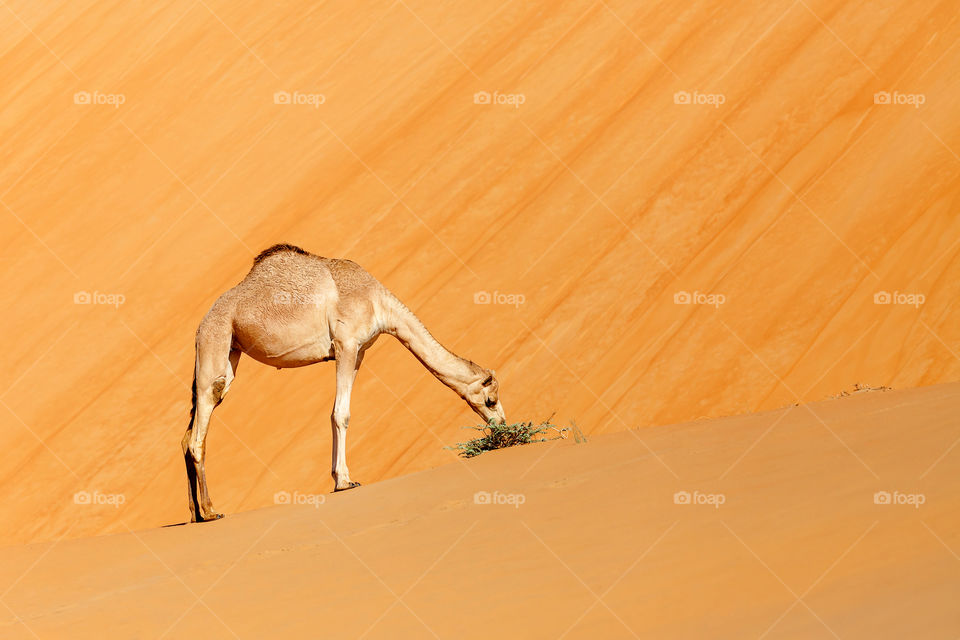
[{"x": 491, "y": 416}]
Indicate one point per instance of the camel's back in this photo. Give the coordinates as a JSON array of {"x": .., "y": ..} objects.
[
  {"x": 292, "y": 278},
  {"x": 294, "y": 269},
  {"x": 291, "y": 301},
  {"x": 287, "y": 268}
]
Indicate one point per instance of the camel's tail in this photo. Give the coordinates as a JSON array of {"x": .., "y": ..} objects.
[
  {"x": 193, "y": 398},
  {"x": 193, "y": 387}
]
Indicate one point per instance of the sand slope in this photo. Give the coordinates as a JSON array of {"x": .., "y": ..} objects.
[
  {"x": 598, "y": 548},
  {"x": 598, "y": 200}
]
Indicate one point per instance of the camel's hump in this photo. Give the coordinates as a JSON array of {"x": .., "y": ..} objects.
[{"x": 279, "y": 248}]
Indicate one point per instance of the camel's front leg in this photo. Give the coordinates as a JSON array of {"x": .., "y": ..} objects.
[{"x": 348, "y": 361}]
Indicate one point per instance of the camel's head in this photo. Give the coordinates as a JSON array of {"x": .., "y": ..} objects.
[{"x": 483, "y": 396}]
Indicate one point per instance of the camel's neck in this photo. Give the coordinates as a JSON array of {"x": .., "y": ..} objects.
[{"x": 449, "y": 368}]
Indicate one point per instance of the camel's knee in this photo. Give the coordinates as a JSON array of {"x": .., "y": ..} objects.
[
  {"x": 212, "y": 391},
  {"x": 218, "y": 389},
  {"x": 341, "y": 418},
  {"x": 196, "y": 451},
  {"x": 209, "y": 395}
]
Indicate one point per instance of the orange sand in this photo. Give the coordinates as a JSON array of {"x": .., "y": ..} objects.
[{"x": 598, "y": 548}]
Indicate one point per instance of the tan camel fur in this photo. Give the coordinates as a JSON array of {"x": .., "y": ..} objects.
[{"x": 293, "y": 309}]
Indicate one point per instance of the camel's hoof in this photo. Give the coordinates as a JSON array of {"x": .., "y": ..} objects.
[
  {"x": 212, "y": 517},
  {"x": 352, "y": 485}
]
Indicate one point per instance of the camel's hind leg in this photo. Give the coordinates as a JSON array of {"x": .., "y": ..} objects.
[
  {"x": 215, "y": 369},
  {"x": 191, "y": 469}
]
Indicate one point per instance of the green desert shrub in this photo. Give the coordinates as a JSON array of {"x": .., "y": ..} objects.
[{"x": 501, "y": 436}]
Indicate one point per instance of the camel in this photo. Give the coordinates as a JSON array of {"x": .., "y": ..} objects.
[{"x": 293, "y": 309}]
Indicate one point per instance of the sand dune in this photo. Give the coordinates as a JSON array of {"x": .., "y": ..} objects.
[
  {"x": 781, "y": 537},
  {"x": 733, "y": 152}
]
